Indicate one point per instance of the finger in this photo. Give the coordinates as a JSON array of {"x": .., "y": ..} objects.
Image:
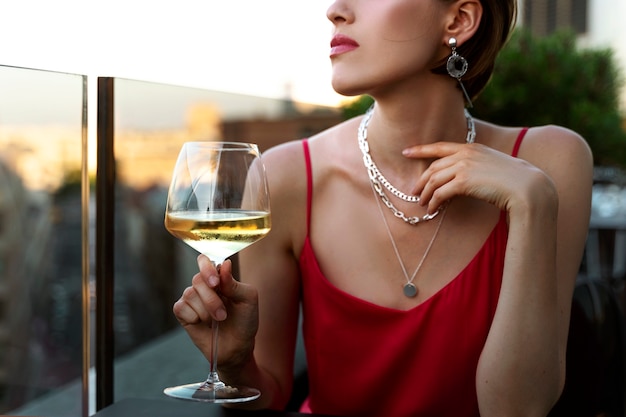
[
  {"x": 188, "y": 309},
  {"x": 206, "y": 300},
  {"x": 427, "y": 176},
  {"x": 231, "y": 288},
  {"x": 206, "y": 267},
  {"x": 437, "y": 189},
  {"x": 441, "y": 197},
  {"x": 432, "y": 150}
]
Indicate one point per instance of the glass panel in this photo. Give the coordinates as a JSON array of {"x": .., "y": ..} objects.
[
  {"x": 151, "y": 267},
  {"x": 42, "y": 128}
]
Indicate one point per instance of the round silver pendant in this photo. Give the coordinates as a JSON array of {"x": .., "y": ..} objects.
[
  {"x": 456, "y": 66},
  {"x": 410, "y": 290}
]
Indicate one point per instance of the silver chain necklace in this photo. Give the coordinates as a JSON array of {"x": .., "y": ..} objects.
[{"x": 379, "y": 181}]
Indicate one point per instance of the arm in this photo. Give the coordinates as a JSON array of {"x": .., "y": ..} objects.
[
  {"x": 521, "y": 369},
  {"x": 271, "y": 266}
]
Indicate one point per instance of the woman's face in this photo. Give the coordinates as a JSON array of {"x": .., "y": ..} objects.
[{"x": 379, "y": 43}]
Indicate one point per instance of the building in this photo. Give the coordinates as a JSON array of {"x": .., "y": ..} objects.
[
  {"x": 268, "y": 133},
  {"x": 598, "y": 24}
]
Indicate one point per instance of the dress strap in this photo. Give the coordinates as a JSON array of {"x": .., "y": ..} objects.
[
  {"x": 309, "y": 183},
  {"x": 518, "y": 142}
]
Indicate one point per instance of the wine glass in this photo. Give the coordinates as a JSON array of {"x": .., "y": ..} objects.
[{"x": 218, "y": 203}]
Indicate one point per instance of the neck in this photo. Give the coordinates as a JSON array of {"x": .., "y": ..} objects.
[
  {"x": 420, "y": 110},
  {"x": 392, "y": 129}
]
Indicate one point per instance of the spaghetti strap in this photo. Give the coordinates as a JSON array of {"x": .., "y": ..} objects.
[
  {"x": 309, "y": 183},
  {"x": 518, "y": 142}
]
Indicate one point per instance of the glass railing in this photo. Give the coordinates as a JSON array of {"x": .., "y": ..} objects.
[
  {"x": 58, "y": 258},
  {"x": 43, "y": 239}
]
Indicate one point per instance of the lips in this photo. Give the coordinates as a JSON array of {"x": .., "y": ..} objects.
[{"x": 340, "y": 44}]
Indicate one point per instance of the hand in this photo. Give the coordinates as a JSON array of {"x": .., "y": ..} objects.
[
  {"x": 480, "y": 172},
  {"x": 217, "y": 295}
]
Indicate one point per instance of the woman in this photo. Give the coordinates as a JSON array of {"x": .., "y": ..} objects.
[{"x": 435, "y": 274}]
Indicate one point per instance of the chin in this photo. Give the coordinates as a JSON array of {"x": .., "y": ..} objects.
[{"x": 346, "y": 89}]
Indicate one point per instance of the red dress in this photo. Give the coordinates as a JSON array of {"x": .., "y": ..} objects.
[{"x": 368, "y": 360}]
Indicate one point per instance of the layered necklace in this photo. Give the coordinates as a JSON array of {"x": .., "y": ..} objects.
[
  {"x": 378, "y": 181},
  {"x": 409, "y": 289}
]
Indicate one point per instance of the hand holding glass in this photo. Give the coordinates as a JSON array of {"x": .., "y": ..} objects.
[{"x": 218, "y": 203}]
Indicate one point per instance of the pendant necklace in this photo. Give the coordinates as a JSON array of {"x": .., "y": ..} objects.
[
  {"x": 409, "y": 289},
  {"x": 378, "y": 180}
]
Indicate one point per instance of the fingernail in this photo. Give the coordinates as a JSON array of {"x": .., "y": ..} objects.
[
  {"x": 406, "y": 152},
  {"x": 220, "y": 314},
  {"x": 214, "y": 281}
]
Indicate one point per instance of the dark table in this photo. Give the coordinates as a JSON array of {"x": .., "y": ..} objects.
[{"x": 169, "y": 407}]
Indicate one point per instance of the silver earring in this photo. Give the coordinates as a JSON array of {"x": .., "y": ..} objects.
[{"x": 457, "y": 67}]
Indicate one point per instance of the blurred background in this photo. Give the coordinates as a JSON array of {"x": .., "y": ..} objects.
[{"x": 236, "y": 70}]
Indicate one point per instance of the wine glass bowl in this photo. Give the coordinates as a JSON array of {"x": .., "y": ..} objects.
[{"x": 218, "y": 204}]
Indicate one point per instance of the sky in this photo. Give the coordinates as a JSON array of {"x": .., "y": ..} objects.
[{"x": 270, "y": 48}]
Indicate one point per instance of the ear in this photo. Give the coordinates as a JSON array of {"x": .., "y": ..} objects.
[{"x": 464, "y": 19}]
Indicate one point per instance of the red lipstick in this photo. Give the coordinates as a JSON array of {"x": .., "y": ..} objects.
[{"x": 341, "y": 44}]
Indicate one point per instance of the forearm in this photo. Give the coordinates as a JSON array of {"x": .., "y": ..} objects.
[{"x": 519, "y": 372}]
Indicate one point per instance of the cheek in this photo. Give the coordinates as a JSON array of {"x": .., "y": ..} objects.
[{"x": 410, "y": 20}]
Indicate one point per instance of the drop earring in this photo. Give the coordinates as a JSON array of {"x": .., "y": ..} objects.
[{"x": 457, "y": 67}]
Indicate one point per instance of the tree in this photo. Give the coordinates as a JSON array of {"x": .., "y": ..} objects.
[
  {"x": 543, "y": 80},
  {"x": 356, "y": 107},
  {"x": 548, "y": 80}
]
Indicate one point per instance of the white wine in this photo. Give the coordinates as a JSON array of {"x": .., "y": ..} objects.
[{"x": 220, "y": 233}]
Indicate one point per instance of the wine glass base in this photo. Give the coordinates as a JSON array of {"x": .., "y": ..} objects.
[{"x": 210, "y": 393}]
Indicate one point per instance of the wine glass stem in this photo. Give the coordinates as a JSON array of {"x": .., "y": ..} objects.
[{"x": 213, "y": 377}]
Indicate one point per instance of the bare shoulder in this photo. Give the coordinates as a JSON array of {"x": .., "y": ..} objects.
[
  {"x": 285, "y": 166},
  {"x": 555, "y": 138},
  {"x": 558, "y": 151},
  {"x": 567, "y": 159},
  {"x": 285, "y": 163}
]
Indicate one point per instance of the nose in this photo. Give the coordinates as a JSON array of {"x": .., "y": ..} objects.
[{"x": 338, "y": 12}]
